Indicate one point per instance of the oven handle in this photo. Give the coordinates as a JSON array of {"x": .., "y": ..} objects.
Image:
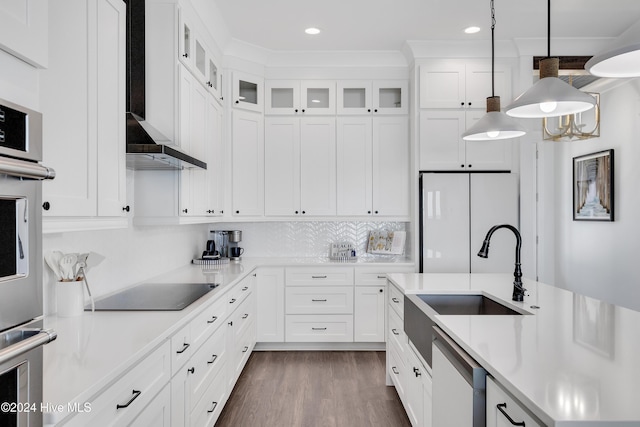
[
  {"x": 24, "y": 169},
  {"x": 44, "y": 337}
]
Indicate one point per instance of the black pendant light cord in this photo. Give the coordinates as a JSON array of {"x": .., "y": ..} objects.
[
  {"x": 493, "y": 27},
  {"x": 548, "y": 28}
]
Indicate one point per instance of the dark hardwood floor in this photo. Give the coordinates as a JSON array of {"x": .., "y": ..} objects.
[{"x": 314, "y": 388}]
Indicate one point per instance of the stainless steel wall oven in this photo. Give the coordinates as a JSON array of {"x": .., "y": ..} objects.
[{"x": 21, "y": 333}]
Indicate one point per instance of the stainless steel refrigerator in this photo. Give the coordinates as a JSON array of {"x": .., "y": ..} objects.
[{"x": 456, "y": 211}]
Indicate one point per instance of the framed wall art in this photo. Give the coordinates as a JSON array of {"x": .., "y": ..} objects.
[{"x": 593, "y": 187}]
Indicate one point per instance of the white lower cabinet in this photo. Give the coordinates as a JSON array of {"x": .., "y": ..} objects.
[
  {"x": 158, "y": 412},
  {"x": 504, "y": 410},
  {"x": 270, "y": 305},
  {"x": 125, "y": 400},
  {"x": 368, "y": 314},
  {"x": 417, "y": 390}
]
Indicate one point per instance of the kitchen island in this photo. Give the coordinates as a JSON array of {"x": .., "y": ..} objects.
[
  {"x": 572, "y": 361},
  {"x": 95, "y": 350}
]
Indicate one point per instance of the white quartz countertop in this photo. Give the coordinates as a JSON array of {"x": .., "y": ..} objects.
[
  {"x": 93, "y": 350},
  {"x": 574, "y": 361}
]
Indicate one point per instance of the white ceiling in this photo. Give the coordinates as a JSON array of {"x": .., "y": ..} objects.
[{"x": 386, "y": 24}]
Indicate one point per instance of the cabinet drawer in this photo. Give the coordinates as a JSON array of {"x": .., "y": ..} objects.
[
  {"x": 319, "y": 300},
  {"x": 312, "y": 276},
  {"x": 181, "y": 348},
  {"x": 396, "y": 368},
  {"x": 242, "y": 317},
  {"x": 239, "y": 292},
  {"x": 244, "y": 346},
  {"x": 395, "y": 333},
  {"x": 206, "y": 363},
  {"x": 124, "y": 400},
  {"x": 368, "y": 276},
  {"x": 498, "y": 398},
  {"x": 208, "y": 408},
  {"x": 396, "y": 300},
  {"x": 207, "y": 322},
  {"x": 319, "y": 328}
]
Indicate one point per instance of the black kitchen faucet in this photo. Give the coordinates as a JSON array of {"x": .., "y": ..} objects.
[{"x": 518, "y": 290}]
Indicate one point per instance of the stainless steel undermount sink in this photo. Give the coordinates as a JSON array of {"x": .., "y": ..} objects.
[
  {"x": 465, "y": 305},
  {"x": 420, "y": 310}
]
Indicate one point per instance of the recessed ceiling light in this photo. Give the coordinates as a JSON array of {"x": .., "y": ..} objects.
[
  {"x": 471, "y": 30},
  {"x": 313, "y": 31}
]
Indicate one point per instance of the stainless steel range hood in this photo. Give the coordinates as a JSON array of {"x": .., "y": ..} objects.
[{"x": 147, "y": 148}]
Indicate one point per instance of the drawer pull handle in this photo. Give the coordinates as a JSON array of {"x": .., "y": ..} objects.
[
  {"x": 318, "y": 329},
  {"x": 245, "y": 315},
  {"x": 319, "y": 300},
  {"x": 213, "y": 408},
  {"x": 214, "y": 357},
  {"x": 213, "y": 319},
  {"x": 514, "y": 423},
  {"x": 395, "y": 370},
  {"x": 245, "y": 288},
  {"x": 244, "y": 350},
  {"x": 318, "y": 277},
  {"x": 184, "y": 348},
  {"x": 395, "y": 300},
  {"x": 395, "y": 331},
  {"x": 232, "y": 301},
  {"x": 382, "y": 277},
  {"x": 136, "y": 393},
  {"x": 192, "y": 370}
]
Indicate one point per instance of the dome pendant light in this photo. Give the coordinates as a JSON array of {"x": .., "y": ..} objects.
[
  {"x": 495, "y": 124},
  {"x": 550, "y": 96},
  {"x": 622, "y": 57}
]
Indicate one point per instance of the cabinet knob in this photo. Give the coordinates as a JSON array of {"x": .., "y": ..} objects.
[
  {"x": 296, "y": 110},
  {"x": 304, "y": 212},
  {"x": 369, "y": 110},
  {"x": 469, "y": 104},
  {"x": 470, "y": 165},
  {"x": 461, "y": 166},
  {"x": 237, "y": 212},
  {"x": 296, "y": 212},
  {"x": 185, "y": 210},
  {"x": 237, "y": 102},
  {"x": 192, "y": 370},
  {"x": 303, "y": 110},
  {"x": 462, "y": 104},
  {"x": 186, "y": 55},
  {"x": 376, "y": 212},
  {"x": 126, "y": 209},
  {"x": 369, "y": 212},
  {"x": 46, "y": 206},
  {"x": 381, "y": 290},
  {"x": 375, "y": 111}
]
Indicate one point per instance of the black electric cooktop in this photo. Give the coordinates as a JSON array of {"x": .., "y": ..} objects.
[{"x": 154, "y": 297}]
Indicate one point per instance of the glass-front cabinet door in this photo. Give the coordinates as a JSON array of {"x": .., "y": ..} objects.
[
  {"x": 390, "y": 97},
  {"x": 282, "y": 97},
  {"x": 214, "y": 81},
  {"x": 247, "y": 92},
  {"x": 354, "y": 97},
  {"x": 318, "y": 97}
]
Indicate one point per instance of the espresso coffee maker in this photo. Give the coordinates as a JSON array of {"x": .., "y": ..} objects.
[{"x": 227, "y": 243}]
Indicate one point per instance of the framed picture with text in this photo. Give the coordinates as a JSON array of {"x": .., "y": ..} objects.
[{"x": 593, "y": 187}]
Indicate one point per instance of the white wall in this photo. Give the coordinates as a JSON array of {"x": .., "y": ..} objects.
[
  {"x": 125, "y": 256},
  {"x": 600, "y": 259}
]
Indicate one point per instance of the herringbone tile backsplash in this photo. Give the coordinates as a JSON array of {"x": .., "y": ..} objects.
[{"x": 308, "y": 238}]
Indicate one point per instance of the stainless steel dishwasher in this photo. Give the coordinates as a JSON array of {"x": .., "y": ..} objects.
[{"x": 459, "y": 385}]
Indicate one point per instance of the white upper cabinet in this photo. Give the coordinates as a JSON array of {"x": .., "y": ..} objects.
[
  {"x": 373, "y": 97},
  {"x": 82, "y": 98},
  {"x": 24, "y": 30},
  {"x": 300, "y": 166},
  {"x": 391, "y": 166},
  {"x": 442, "y": 146},
  {"x": 247, "y": 92},
  {"x": 300, "y": 97},
  {"x": 460, "y": 83},
  {"x": 195, "y": 53},
  {"x": 247, "y": 163}
]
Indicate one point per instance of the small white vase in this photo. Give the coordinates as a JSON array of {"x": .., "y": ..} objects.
[{"x": 70, "y": 298}]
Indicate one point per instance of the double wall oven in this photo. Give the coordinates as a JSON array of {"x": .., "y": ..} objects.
[{"x": 21, "y": 333}]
